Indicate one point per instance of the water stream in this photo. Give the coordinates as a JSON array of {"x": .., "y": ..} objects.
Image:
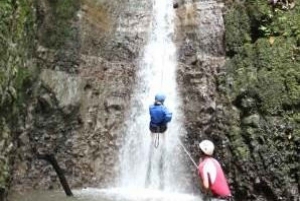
[
  {"x": 92, "y": 194},
  {"x": 146, "y": 170},
  {"x": 141, "y": 164}
]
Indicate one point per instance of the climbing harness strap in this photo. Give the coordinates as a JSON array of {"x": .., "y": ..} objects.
[{"x": 156, "y": 140}]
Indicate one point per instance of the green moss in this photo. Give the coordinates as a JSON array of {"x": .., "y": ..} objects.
[
  {"x": 59, "y": 28},
  {"x": 263, "y": 80},
  {"x": 243, "y": 153},
  {"x": 268, "y": 70},
  {"x": 5, "y": 139},
  {"x": 17, "y": 40},
  {"x": 295, "y": 117},
  {"x": 238, "y": 25}
]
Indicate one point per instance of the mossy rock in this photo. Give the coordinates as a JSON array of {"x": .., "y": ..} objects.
[
  {"x": 262, "y": 78},
  {"x": 57, "y": 22},
  {"x": 17, "y": 41}
]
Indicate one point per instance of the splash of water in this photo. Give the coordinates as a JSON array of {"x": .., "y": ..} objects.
[
  {"x": 141, "y": 164},
  {"x": 129, "y": 194}
]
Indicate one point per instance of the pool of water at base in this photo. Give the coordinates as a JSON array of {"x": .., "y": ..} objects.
[{"x": 112, "y": 194}]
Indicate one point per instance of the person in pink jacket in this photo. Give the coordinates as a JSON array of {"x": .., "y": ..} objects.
[{"x": 211, "y": 173}]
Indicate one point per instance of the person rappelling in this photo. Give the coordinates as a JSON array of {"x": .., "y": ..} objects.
[
  {"x": 211, "y": 174},
  {"x": 160, "y": 117}
]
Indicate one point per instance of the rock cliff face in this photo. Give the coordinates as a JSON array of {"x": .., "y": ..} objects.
[
  {"x": 236, "y": 102},
  {"x": 16, "y": 62},
  {"x": 200, "y": 31},
  {"x": 88, "y": 52},
  {"x": 87, "y": 57}
]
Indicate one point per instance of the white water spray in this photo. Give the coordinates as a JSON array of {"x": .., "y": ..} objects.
[{"x": 157, "y": 73}]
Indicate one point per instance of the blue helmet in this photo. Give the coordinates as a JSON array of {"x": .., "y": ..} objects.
[{"x": 160, "y": 97}]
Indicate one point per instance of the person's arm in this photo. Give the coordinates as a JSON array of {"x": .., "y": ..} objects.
[
  {"x": 168, "y": 115},
  {"x": 209, "y": 174},
  {"x": 205, "y": 180},
  {"x": 203, "y": 188}
]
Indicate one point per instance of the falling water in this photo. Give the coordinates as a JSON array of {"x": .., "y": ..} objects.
[{"x": 157, "y": 73}]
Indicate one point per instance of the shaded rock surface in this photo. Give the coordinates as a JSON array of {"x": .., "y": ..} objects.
[
  {"x": 84, "y": 87},
  {"x": 200, "y": 30}
]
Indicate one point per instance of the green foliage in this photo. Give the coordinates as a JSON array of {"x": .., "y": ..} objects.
[
  {"x": 269, "y": 68},
  {"x": 238, "y": 28},
  {"x": 17, "y": 42},
  {"x": 17, "y": 35},
  {"x": 4, "y": 159},
  {"x": 264, "y": 71},
  {"x": 58, "y": 28},
  {"x": 247, "y": 22},
  {"x": 274, "y": 137},
  {"x": 281, "y": 23}
]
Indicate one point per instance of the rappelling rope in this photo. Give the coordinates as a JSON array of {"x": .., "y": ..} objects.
[
  {"x": 156, "y": 143},
  {"x": 156, "y": 140},
  {"x": 189, "y": 155},
  {"x": 185, "y": 150},
  {"x": 156, "y": 137},
  {"x": 161, "y": 76}
]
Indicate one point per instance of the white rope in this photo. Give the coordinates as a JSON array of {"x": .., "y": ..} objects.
[
  {"x": 189, "y": 155},
  {"x": 156, "y": 140}
]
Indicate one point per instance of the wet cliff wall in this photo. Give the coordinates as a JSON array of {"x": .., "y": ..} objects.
[
  {"x": 17, "y": 72},
  {"x": 261, "y": 88},
  {"x": 86, "y": 55},
  {"x": 200, "y": 42},
  {"x": 240, "y": 62}
]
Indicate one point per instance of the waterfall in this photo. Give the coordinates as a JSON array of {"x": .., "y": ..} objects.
[{"x": 157, "y": 73}]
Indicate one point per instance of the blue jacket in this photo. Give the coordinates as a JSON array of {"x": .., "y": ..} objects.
[{"x": 159, "y": 115}]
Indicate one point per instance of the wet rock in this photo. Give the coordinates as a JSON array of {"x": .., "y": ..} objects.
[
  {"x": 2, "y": 143},
  {"x": 24, "y": 138},
  {"x": 67, "y": 89},
  {"x": 192, "y": 60},
  {"x": 252, "y": 120},
  {"x": 247, "y": 103},
  {"x": 46, "y": 101},
  {"x": 175, "y": 5}
]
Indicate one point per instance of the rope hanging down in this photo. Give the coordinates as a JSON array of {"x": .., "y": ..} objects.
[
  {"x": 162, "y": 77},
  {"x": 181, "y": 129},
  {"x": 156, "y": 140},
  {"x": 156, "y": 143},
  {"x": 189, "y": 155}
]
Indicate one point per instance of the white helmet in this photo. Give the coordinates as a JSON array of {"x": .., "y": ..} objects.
[{"x": 207, "y": 147}]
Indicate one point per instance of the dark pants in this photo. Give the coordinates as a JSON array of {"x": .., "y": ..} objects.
[{"x": 158, "y": 129}]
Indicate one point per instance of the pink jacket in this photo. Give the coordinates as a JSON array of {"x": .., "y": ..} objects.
[{"x": 218, "y": 182}]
